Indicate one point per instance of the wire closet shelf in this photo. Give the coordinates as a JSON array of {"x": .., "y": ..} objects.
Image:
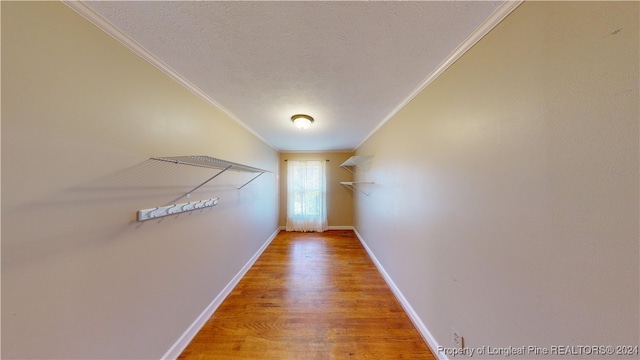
[
  {"x": 352, "y": 164},
  {"x": 199, "y": 161},
  {"x": 209, "y": 162}
]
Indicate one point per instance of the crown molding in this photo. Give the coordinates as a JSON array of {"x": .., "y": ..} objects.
[
  {"x": 88, "y": 13},
  {"x": 492, "y": 21},
  {"x": 96, "y": 19}
]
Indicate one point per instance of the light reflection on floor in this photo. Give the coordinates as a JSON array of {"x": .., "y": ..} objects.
[{"x": 307, "y": 276}]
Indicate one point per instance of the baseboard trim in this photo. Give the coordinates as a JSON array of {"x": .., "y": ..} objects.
[
  {"x": 346, "y": 227},
  {"x": 178, "y": 347},
  {"x": 415, "y": 319},
  {"x": 339, "y": 227}
]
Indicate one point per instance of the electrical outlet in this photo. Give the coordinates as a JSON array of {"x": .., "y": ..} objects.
[{"x": 458, "y": 340}]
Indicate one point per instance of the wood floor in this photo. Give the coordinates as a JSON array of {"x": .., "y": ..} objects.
[{"x": 310, "y": 296}]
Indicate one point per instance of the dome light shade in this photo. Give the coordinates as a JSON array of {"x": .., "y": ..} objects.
[{"x": 302, "y": 121}]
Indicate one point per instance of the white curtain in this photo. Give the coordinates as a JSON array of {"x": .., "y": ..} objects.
[{"x": 306, "y": 196}]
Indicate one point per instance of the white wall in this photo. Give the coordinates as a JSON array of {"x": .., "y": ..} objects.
[
  {"x": 506, "y": 194},
  {"x": 81, "y": 116}
]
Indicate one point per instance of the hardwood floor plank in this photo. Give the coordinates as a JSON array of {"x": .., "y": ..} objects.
[{"x": 310, "y": 296}]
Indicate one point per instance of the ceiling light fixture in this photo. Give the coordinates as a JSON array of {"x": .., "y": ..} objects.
[{"x": 302, "y": 121}]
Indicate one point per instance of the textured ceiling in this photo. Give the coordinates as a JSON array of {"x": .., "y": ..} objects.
[{"x": 350, "y": 65}]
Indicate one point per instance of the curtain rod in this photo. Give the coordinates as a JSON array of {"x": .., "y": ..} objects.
[{"x": 307, "y": 160}]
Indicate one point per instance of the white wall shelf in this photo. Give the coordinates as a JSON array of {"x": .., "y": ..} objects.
[
  {"x": 356, "y": 185},
  {"x": 356, "y": 162},
  {"x": 199, "y": 161},
  {"x": 353, "y": 164},
  {"x": 211, "y": 163}
]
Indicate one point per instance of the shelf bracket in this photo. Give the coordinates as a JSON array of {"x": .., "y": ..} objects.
[
  {"x": 247, "y": 183},
  {"x": 354, "y": 185},
  {"x": 188, "y": 193}
]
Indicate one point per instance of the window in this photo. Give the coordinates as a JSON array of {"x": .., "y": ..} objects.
[{"x": 306, "y": 195}]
